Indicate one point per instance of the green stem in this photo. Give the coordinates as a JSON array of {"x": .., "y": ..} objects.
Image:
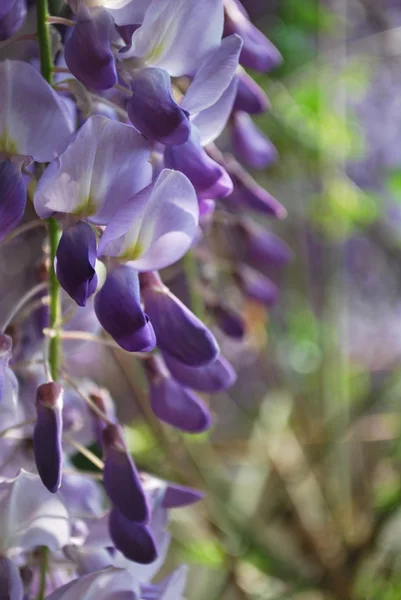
[
  {"x": 46, "y": 67},
  {"x": 191, "y": 273},
  {"x": 45, "y": 49},
  {"x": 55, "y": 304},
  {"x": 44, "y": 551}
]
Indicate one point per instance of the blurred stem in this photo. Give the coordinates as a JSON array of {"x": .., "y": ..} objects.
[
  {"x": 191, "y": 273},
  {"x": 44, "y": 551},
  {"x": 46, "y": 67}
]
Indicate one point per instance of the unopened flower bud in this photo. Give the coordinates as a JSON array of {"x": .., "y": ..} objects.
[{"x": 47, "y": 434}]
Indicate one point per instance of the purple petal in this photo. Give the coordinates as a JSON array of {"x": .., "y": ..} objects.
[
  {"x": 257, "y": 51},
  {"x": 12, "y": 17},
  {"x": 133, "y": 540},
  {"x": 209, "y": 179},
  {"x": 5, "y": 355},
  {"x": 105, "y": 164},
  {"x": 257, "y": 287},
  {"x": 212, "y": 378},
  {"x": 177, "y": 34},
  {"x": 118, "y": 308},
  {"x": 153, "y": 110},
  {"x": 231, "y": 323},
  {"x": 178, "y": 331},
  {"x": 11, "y": 587},
  {"x": 34, "y": 120},
  {"x": 250, "y": 97},
  {"x": 171, "y": 588},
  {"x": 174, "y": 404},
  {"x": 247, "y": 192},
  {"x": 157, "y": 226},
  {"x": 213, "y": 76},
  {"x": 88, "y": 52},
  {"x": 76, "y": 260},
  {"x": 13, "y": 197},
  {"x": 121, "y": 479},
  {"x": 47, "y": 435},
  {"x": 264, "y": 248},
  {"x": 179, "y": 495},
  {"x": 250, "y": 145}
]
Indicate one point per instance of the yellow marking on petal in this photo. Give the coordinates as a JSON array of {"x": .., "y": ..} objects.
[
  {"x": 7, "y": 144},
  {"x": 133, "y": 252},
  {"x": 156, "y": 53},
  {"x": 87, "y": 208}
]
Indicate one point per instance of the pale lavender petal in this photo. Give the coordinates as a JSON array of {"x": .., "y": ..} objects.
[
  {"x": 108, "y": 583},
  {"x": 76, "y": 260},
  {"x": 213, "y": 76},
  {"x": 153, "y": 110},
  {"x": 212, "y": 378},
  {"x": 118, "y": 308},
  {"x": 129, "y": 13},
  {"x": 88, "y": 53},
  {"x": 5, "y": 355},
  {"x": 33, "y": 119},
  {"x": 104, "y": 166},
  {"x": 156, "y": 227},
  {"x": 177, "y": 34},
  {"x": 11, "y": 587},
  {"x": 211, "y": 121},
  {"x": 13, "y": 196}
]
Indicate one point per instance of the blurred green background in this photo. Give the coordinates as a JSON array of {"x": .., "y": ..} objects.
[{"x": 303, "y": 465}]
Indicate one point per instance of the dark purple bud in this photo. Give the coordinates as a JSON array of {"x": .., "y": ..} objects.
[
  {"x": 174, "y": 404},
  {"x": 179, "y": 495},
  {"x": 121, "y": 479},
  {"x": 118, "y": 308},
  {"x": 153, "y": 111},
  {"x": 263, "y": 248},
  {"x": 76, "y": 260},
  {"x": 230, "y": 322},
  {"x": 257, "y": 287},
  {"x": 12, "y": 17},
  {"x": 133, "y": 540},
  {"x": 250, "y": 145},
  {"x": 5, "y": 355},
  {"x": 250, "y": 96},
  {"x": 178, "y": 331},
  {"x": 247, "y": 192},
  {"x": 257, "y": 51},
  {"x": 210, "y": 180},
  {"x": 13, "y": 197},
  {"x": 88, "y": 51},
  {"x": 47, "y": 434},
  {"x": 11, "y": 587},
  {"x": 212, "y": 378}
]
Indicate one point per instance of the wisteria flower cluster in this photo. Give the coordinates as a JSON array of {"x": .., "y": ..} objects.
[{"x": 109, "y": 133}]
